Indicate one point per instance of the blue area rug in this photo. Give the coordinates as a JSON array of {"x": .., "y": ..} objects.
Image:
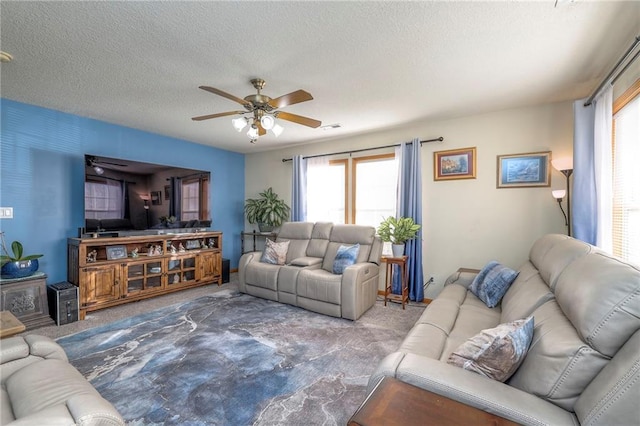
[{"x": 232, "y": 359}]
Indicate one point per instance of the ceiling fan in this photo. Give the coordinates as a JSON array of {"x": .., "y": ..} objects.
[
  {"x": 95, "y": 162},
  {"x": 263, "y": 109}
]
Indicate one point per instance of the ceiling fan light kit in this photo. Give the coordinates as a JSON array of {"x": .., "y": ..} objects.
[{"x": 263, "y": 110}]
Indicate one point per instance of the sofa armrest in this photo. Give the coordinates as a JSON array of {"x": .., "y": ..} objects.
[
  {"x": 245, "y": 260},
  {"x": 463, "y": 276},
  {"x": 19, "y": 347},
  {"x": 359, "y": 289},
  {"x": 479, "y": 391},
  {"x": 306, "y": 261}
]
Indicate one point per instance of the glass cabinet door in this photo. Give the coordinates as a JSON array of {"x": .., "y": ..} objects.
[
  {"x": 144, "y": 276},
  {"x": 181, "y": 270}
]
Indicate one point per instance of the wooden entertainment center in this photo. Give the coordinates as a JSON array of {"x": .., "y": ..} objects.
[{"x": 114, "y": 270}]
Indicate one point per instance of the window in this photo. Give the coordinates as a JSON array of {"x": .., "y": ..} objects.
[
  {"x": 375, "y": 189},
  {"x": 626, "y": 175},
  {"x": 371, "y": 189},
  {"x": 103, "y": 199},
  {"x": 193, "y": 202},
  {"x": 326, "y": 191}
]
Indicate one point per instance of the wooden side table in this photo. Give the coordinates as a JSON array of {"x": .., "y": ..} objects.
[
  {"x": 10, "y": 325},
  {"x": 396, "y": 403},
  {"x": 402, "y": 264}
]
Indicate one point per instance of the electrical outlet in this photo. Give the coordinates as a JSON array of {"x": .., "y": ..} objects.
[{"x": 6, "y": 212}]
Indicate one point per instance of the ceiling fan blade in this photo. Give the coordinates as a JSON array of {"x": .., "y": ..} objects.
[
  {"x": 305, "y": 121},
  {"x": 261, "y": 130},
  {"x": 219, "y": 92},
  {"x": 220, "y": 114},
  {"x": 290, "y": 99},
  {"x": 113, "y": 164}
]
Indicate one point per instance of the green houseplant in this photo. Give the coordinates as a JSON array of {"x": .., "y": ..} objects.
[
  {"x": 268, "y": 211},
  {"x": 17, "y": 265},
  {"x": 397, "y": 232}
]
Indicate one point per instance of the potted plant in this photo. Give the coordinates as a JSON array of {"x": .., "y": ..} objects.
[
  {"x": 18, "y": 265},
  {"x": 397, "y": 232},
  {"x": 268, "y": 211}
]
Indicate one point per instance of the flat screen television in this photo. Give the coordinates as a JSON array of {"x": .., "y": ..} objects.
[{"x": 124, "y": 197}]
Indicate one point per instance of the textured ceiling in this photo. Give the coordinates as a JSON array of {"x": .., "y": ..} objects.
[{"x": 369, "y": 65}]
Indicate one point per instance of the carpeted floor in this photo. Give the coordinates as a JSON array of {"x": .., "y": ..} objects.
[{"x": 227, "y": 358}]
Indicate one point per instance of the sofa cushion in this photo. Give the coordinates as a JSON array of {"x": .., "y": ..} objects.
[
  {"x": 349, "y": 234},
  {"x": 346, "y": 256},
  {"x": 263, "y": 275},
  {"x": 305, "y": 261},
  {"x": 319, "y": 239},
  {"x": 525, "y": 295},
  {"x": 552, "y": 253},
  {"x": 608, "y": 314},
  {"x": 559, "y": 365},
  {"x": 492, "y": 283},
  {"x": 320, "y": 285},
  {"x": 497, "y": 352},
  {"x": 275, "y": 253},
  {"x": 298, "y": 234}
]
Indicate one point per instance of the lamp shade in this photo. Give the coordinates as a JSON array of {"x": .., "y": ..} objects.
[
  {"x": 253, "y": 132},
  {"x": 277, "y": 130},
  {"x": 239, "y": 123},
  {"x": 267, "y": 122},
  {"x": 563, "y": 163},
  {"x": 558, "y": 193}
]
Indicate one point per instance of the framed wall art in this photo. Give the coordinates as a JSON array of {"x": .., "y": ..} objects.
[
  {"x": 156, "y": 198},
  {"x": 454, "y": 164},
  {"x": 524, "y": 170}
]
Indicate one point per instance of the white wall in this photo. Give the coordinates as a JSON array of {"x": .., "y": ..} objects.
[{"x": 466, "y": 222}]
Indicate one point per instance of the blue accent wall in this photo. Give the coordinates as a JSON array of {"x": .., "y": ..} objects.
[{"x": 42, "y": 177}]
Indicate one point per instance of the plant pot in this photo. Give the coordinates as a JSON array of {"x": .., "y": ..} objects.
[
  {"x": 397, "y": 249},
  {"x": 263, "y": 227},
  {"x": 19, "y": 269}
]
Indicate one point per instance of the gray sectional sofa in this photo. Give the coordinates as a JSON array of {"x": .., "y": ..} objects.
[
  {"x": 39, "y": 387},
  {"x": 306, "y": 278},
  {"x": 583, "y": 364}
]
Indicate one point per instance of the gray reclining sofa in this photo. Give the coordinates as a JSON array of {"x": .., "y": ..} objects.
[
  {"x": 39, "y": 387},
  {"x": 306, "y": 279},
  {"x": 583, "y": 363}
]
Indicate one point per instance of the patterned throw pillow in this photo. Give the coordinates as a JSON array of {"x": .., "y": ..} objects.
[
  {"x": 497, "y": 352},
  {"x": 275, "y": 253},
  {"x": 346, "y": 256},
  {"x": 492, "y": 283}
]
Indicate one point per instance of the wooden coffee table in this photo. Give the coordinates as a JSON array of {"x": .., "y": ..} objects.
[
  {"x": 395, "y": 403},
  {"x": 9, "y": 324}
]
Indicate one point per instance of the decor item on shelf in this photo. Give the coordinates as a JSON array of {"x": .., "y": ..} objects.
[
  {"x": 18, "y": 265},
  {"x": 397, "y": 232},
  {"x": 268, "y": 211},
  {"x": 262, "y": 111},
  {"x": 92, "y": 256},
  {"x": 565, "y": 166}
]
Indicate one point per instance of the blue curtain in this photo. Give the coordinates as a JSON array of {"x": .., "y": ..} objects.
[
  {"x": 298, "y": 190},
  {"x": 584, "y": 213},
  {"x": 410, "y": 205}
]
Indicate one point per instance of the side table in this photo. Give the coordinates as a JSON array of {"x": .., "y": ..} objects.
[
  {"x": 396, "y": 403},
  {"x": 255, "y": 236},
  {"x": 402, "y": 264},
  {"x": 10, "y": 325},
  {"x": 26, "y": 299}
]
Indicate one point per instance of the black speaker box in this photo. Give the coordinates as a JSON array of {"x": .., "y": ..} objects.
[
  {"x": 225, "y": 270},
  {"x": 63, "y": 302}
]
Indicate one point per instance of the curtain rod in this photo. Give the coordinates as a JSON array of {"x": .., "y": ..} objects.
[
  {"x": 635, "y": 43},
  {"x": 440, "y": 139}
]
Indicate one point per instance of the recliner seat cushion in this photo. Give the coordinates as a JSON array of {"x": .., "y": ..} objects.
[{"x": 319, "y": 284}]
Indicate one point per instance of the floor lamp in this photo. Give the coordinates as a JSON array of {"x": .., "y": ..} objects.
[{"x": 564, "y": 166}]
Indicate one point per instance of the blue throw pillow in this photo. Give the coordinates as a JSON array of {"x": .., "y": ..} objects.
[
  {"x": 346, "y": 256},
  {"x": 492, "y": 283}
]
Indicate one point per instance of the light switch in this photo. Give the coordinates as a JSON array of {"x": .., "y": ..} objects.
[{"x": 6, "y": 212}]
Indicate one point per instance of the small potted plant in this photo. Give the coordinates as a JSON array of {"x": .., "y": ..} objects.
[
  {"x": 268, "y": 211},
  {"x": 397, "y": 232},
  {"x": 17, "y": 265}
]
